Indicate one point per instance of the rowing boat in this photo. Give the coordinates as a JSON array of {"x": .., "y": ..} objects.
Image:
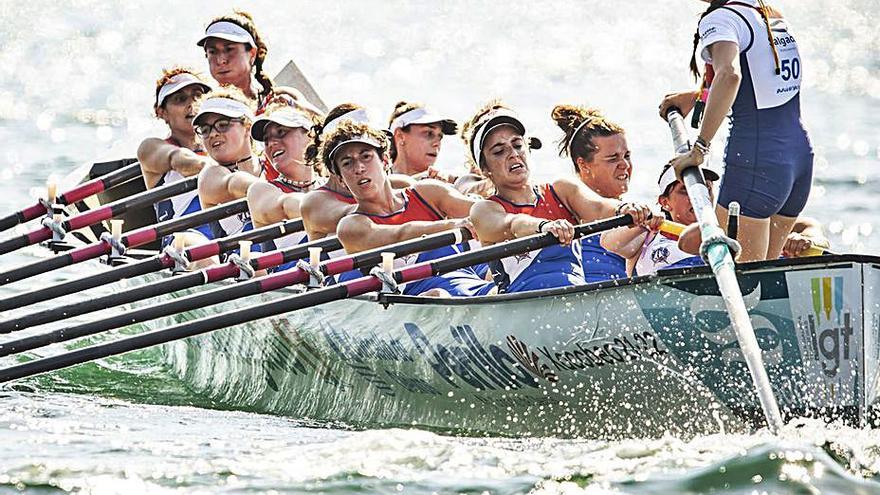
[{"x": 641, "y": 357}]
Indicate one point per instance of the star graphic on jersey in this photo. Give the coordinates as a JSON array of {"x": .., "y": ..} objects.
[{"x": 522, "y": 257}]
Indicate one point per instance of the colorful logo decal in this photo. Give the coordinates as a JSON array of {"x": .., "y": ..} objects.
[
  {"x": 830, "y": 324},
  {"x": 530, "y": 360}
]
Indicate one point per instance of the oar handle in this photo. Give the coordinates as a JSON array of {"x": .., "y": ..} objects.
[
  {"x": 85, "y": 190},
  {"x": 679, "y": 131}
]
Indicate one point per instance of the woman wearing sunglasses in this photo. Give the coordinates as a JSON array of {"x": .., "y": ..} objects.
[{"x": 223, "y": 124}]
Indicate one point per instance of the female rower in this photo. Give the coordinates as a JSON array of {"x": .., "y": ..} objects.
[
  {"x": 601, "y": 159},
  {"x": 323, "y": 208},
  {"x": 180, "y": 155},
  {"x": 285, "y": 132},
  {"x": 357, "y": 154},
  {"x": 417, "y": 134},
  {"x": 223, "y": 123},
  {"x": 647, "y": 250},
  {"x": 753, "y": 72},
  {"x": 497, "y": 141}
]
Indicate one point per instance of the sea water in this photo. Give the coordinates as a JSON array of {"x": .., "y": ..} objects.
[{"x": 77, "y": 85}]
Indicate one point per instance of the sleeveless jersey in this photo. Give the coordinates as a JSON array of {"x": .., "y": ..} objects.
[
  {"x": 289, "y": 240},
  {"x": 599, "y": 263},
  {"x": 180, "y": 205},
  {"x": 552, "y": 266},
  {"x": 462, "y": 282},
  {"x": 767, "y": 103},
  {"x": 660, "y": 251}
]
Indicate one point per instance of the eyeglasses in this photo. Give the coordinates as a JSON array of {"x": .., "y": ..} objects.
[
  {"x": 220, "y": 125},
  {"x": 275, "y": 132}
]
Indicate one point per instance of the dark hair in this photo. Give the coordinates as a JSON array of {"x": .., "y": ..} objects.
[
  {"x": 399, "y": 109},
  {"x": 245, "y": 21},
  {"x": 589, "y": 124},
  {"x": 313, "y": 149},
  {"x": 348, "y": 130},
  {"x": 167, "y": 74},
  {"x": 467, "y": 130},
  {"x": 762, "y": 9}
]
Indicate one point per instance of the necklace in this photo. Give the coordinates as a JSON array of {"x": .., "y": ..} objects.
[
  {"x": 234, "y": 165},
  {"x": 296, "y": 184}
]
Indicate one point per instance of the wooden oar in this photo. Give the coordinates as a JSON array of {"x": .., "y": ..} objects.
[
  {"x": 724, "y": 269},
  {"x": 134, "y": 269},
  {"x": 78, "y": 193},
  {"x": 105, "y": 212},
  {"x": 300, "y": 301},
  {"x": 134, "y": 238},
  {"x": 167, "y": 286}
]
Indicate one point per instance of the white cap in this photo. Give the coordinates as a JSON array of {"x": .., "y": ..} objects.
[
  {"x": 493, "y": 120},
  {"x": 223, "y": 106},
  {"x": 178, "y": 82},
  {"x": 359, "y": 116},
  {"x": 285, "y": 117},
  {"x": 422, "y": 115},
  {"x": 228, "y": 31},
  {"x": 667, "y": 177},
  {"x": 361, "y": 138}
]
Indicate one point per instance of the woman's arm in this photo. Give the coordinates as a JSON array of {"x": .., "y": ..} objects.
[
  {"x": 157, "y": 157},
  {"x": 217, "y": 185},
  {"x": 725, "y": 86},
  {"x": 443, "y": 197},
  {"x": 358, "y": 233},
  {"x": 494, "y": 225},
  {"x": 625, "y": 241},
  {"x": 269, "y": 205}
]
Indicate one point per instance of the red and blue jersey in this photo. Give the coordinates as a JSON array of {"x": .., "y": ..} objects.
[{"x": 553, "y": 266}]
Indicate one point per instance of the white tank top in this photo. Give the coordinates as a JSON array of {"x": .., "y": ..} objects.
[
  {"x": 660, "y": 251},
  {"x": 745, "y": 26}
]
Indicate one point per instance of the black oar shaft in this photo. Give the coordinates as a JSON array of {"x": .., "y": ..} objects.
[
  {"x": 132, "y": 239},
  {"x": 78, "y": 193},
  {"x": 299, "y": 301},
  {"x": 128, "y": 271}
]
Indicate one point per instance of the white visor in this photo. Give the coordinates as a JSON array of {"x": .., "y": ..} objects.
[
  {"x": 285, "y": 117},
  {"x": 492, "y": 121},
  {"x": 667, "y": 178},
  {"x": 363, "y": 138},
  {"x": 176, "y": 83},
  {"x": 422, "y": 115},
  {"x": 359, "y": 116},
  {"x": 223, "y": 106},
  {"x": 228, "y": 31}
]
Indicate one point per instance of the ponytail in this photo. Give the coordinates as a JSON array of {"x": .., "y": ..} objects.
[
  {"x": 713, "y": 5},
  {"x": 580, "y": 126}
]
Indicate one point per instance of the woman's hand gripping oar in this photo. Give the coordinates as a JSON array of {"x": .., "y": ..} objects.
[
  {"x": 134, "y": 238},
  {"x": 718, "y": 257},
  {"x": 309, "y": 299},
  {"x": 106, "y": 212},
  {"x": 130, "y": 270},
  {"x": 80, "y": 192}
]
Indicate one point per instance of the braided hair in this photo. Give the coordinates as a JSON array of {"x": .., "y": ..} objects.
[
  {"x": 581, "y": 125},
  {"x": 713, "y": 6},
  {"x": 244, "y": 20}
]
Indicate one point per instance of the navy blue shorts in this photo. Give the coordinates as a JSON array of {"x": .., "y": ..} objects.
[{"x": 767, "y": 183}]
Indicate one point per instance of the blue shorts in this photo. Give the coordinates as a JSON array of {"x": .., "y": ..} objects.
[{"x": 766, "y": 183}]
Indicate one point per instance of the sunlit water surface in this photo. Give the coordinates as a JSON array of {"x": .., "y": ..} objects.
[{"x": 76, "y": 83}]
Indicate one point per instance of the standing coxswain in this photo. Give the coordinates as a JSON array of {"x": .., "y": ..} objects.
[
  {"x": 497, "y": 141},
  {"x": 223, "y": 123},
  {"x": 754, "y": 73},
  {"x": 357, "y": 154},
  {"x": 180, "y": 155},
  {"x": 601, "y": 158}
]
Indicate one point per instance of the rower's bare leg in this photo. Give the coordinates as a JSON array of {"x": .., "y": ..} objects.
[
  {"x": 780, "y": 227},
  {"x": 753, "y": 235}
]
